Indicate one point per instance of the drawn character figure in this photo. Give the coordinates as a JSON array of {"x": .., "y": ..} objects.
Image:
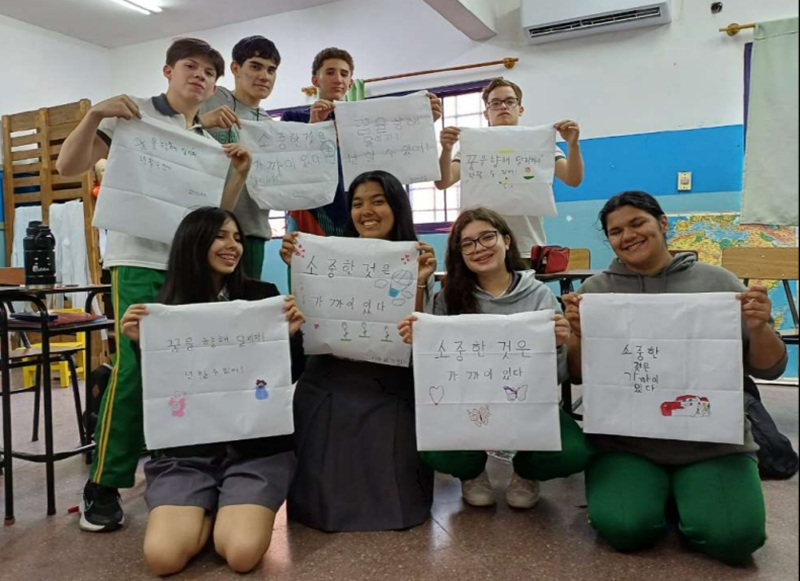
[
  {"x": 518, "y": 394},
  {"x": 261, "y": 390},
  {"x": 687, "y": 406},
  {"x": 480, "y": 416},
  {"x": 177, "y": 403},
  {"x": 398, "y": 287}
]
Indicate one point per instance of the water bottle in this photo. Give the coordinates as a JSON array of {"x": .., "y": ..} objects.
[{"x": 40, "y": 257}]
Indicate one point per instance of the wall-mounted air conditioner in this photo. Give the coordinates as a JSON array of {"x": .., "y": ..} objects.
[{"x": 551, "y": 20}]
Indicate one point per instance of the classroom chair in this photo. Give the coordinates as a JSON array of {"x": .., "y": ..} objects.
[
  {"x": 62, "y": 367},
  {"x": 768, "y": 264}
]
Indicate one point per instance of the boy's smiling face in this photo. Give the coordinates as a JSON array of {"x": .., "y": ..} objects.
[{"x": 193, "y": 79}]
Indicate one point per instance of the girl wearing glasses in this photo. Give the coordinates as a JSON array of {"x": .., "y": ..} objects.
[
  {"x": 359, "y": 469},
  {"x": 485, "y": 275}
]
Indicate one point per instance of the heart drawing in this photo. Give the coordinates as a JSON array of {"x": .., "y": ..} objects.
[{"x": 437, "y": 394}]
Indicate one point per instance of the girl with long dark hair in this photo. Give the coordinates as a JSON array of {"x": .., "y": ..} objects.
[
  {"x": 485, "y": 275},
  {"x": 233, "y": 489},
  {"x": 358, "y": 465}
]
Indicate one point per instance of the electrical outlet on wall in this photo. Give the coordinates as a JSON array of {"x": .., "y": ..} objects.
[{"x": 684, "y": 181}]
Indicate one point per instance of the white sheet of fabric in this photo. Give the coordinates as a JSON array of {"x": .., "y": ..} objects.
[
  {"x": 216, "y": 372},
  {"x": 486, "y": 382},
  {"x": 771, "y": 162},
  {"x": 663, "y": 366}
]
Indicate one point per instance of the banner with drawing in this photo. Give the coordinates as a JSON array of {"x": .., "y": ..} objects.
[
  {"x": 155, "y": 172},
  {"x": 487, "y": 382},
  {"x": 353, "y": 293},
  {"x": 509, "y": 170},
  {"x": 394, "y": 134},
  {"x": 295, "y": 165},
  {"x": 665, "y": 366},
  {"x": 216, "y": 372}
]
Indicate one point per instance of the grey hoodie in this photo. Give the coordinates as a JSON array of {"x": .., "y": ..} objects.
[
  {"x": 525, "y": 295},
  {"x": 682, "y": 275}
]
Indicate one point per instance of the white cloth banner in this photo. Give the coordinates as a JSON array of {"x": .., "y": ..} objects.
[
  {"x": 155, "y": 172},
  {"x": 771, "y": 168},
  {"x": 394, "y": 134},
  {"x": 353, "y": 293},
  {"x": 509, "y": 170},
  {"x": 295, "y": 165},
  {"x": 216, "y": 372},
  {"x": 486, "y": 382},
  {"x": 665, "y": 366}
]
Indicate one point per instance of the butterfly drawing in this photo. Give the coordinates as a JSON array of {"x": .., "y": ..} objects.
[
  {"x": 518, "y": 394},
  {"x": 480, "y": 416}
]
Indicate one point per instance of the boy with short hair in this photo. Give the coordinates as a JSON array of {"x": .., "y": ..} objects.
[
  {"x": 503, "y": 100},
  {"x": 254, "y": 64},
  {"x": 138, "y": 265},
  {"x": 332, "y": 75}
]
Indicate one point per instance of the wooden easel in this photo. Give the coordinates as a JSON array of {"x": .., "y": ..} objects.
[{"x": 31, "y": 143}]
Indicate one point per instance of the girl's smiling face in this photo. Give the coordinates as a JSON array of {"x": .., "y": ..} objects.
[
  {"x": 226, "y": 250},
  {"x": 371, "y": 213}
]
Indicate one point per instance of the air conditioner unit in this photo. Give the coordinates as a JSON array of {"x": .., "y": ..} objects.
[{"x": 551, "y": 20}]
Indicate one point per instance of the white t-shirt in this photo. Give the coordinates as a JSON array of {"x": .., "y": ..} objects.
[
  {"x": 528, "y": 230},
  {"x": 123, "y": 249}
]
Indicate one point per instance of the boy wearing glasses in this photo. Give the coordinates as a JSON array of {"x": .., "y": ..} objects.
[{"x": 503, "y": 100}]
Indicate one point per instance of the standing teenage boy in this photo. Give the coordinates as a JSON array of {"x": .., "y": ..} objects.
[
  {"x": 503, "y": 100},
  {"x": 254, "y": 65},
  {"x": 138, "y": 265},
  {"x": 332, "y": 75}
]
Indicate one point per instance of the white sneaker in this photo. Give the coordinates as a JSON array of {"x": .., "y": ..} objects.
[
  {"x": 522, "y": 493},
  {"x": 478, "y": 492}
]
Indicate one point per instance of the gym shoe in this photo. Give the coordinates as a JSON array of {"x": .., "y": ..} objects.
[
  {"x": 478, "y": 491},
  {"x": 522, "y": 493},
  {"x": 100, "y": 509}
]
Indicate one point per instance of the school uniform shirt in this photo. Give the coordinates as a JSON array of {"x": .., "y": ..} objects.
[
  {"x": 330, "y": 220},
  {"x": 123, "y": 249},
  {"x": 684, "y": 274},
  {"x": 528, "y": 230},
  {"x": 254, "y": 220}
]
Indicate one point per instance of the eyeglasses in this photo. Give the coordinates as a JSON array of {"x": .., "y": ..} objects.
[
  {"x": 487, "y": 240},
  {"x": 497, "y": 104}
]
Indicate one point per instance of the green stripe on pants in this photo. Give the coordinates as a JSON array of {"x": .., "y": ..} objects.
[{"x": 120, "y": 433}]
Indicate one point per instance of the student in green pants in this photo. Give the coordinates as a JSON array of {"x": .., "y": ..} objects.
[
  {"x": 485, "y": 275},
  {"x": 254, "y": 65},
  {"x": 716, "y": 486},
  {"x": 138, "y": 265}
]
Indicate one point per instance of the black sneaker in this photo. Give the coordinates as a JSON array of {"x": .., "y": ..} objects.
[{"x": 100, "y": 509}]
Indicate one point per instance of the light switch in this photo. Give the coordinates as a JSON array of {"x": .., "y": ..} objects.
[{"x": 684, "y": 181}]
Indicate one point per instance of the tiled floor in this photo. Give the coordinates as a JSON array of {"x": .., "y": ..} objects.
[{"x": 554, "y": 541}]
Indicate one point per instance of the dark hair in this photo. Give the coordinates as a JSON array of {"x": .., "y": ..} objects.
[
  {"x": 641, "y": 200},
  {"x": 331, "y": 53},
  {"x": 255, "y": 46},
  {"x": 496, "y": 84},
  {"x": 185, "y": 48},
  {"x": 189, "y": 279},
  {"x": 396, "y": 195},
  {"x": 462, "y": 283}
]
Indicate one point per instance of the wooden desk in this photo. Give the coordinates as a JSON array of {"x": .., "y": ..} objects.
[{"x": 567, "y": 278}]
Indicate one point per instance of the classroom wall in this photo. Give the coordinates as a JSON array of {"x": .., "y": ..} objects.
[{"x": 43, "y": 69}]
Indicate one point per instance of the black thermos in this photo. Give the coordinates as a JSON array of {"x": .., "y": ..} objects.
[{"x": 40, "y": 257}]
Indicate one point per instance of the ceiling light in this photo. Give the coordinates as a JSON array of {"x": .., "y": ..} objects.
[
  {"x": 151, "y": 5},
  {"x": 145, "y": 7}
]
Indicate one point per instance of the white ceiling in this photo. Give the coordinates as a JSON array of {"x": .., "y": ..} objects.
[{"x": 108, "y": 24}]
